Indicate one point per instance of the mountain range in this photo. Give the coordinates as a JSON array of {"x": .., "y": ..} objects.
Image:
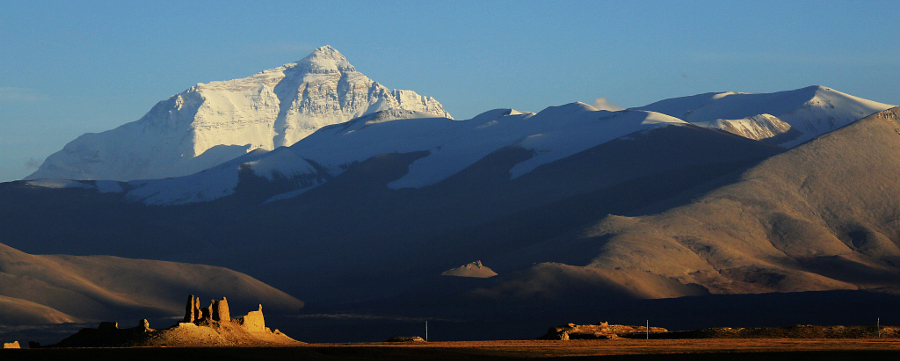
[{"x": 571, "y": 207}]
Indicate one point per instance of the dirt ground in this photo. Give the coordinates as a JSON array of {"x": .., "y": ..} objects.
[{"x": 621, "y": 349}]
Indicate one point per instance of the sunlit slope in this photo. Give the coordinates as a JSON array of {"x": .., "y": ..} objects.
[
  {"x": 16, "y": 311},
  {"x": 822, "y": 216},
  {"x": 53, "y": 288}
]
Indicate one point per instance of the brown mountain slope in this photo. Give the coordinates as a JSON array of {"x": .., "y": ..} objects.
[
  {"x": 823, "y": 216},
  {"x": 56, "y": 288},
  {"x": 16, "y": 311}
]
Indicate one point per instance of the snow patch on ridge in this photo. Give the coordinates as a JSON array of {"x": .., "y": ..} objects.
[
  {"x": 555, "y": 132},
  {"x": 56, "y": 183},
  {"x": 205, "y": 186},
  {"x": 584, "y": 132},
  {"x": 812, "y": 111},
  {"x": 104, "y": 186},
  {"x": 280, "y": 163},
  {"x": 208, "y": 185},
  {"x": 758, "y": 127}
]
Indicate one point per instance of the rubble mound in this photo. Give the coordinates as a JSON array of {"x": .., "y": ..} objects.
[
  {"x": 210, "y": 326},
  {"x": 602, "y": 330}
]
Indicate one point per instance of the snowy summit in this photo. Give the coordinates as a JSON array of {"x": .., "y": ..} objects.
[{"x": 212, "y": 123}]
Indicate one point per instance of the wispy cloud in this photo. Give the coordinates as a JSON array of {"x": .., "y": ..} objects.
[
  {"x": 21, "y": 95},
  {"x": 32, "y": 163}
]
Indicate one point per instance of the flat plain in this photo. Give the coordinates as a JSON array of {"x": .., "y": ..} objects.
[{"x": 619, "y": 349}]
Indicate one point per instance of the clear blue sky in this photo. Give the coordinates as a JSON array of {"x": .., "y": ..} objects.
[{"x": 71, "y": 67}]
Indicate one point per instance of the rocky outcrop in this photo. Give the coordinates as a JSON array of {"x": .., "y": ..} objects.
[
  {"x": 472, "y": 270},
  {"x": 207, "y": 326},
  {"x": 600, "y": 331}
]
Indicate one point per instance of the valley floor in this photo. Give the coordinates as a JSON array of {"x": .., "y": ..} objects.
[{"x": 769, "y": 349}]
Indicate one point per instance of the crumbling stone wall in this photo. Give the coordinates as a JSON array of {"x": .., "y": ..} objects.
[
  {"x": 192, "y": 311},
  {"x": 220, "y": 310},
  {"x": 254, "y": 321}
]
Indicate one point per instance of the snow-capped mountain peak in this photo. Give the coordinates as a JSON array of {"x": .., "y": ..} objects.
[
  {"x": 325, "y": 59},
  {"x": 209, "y": 124}
]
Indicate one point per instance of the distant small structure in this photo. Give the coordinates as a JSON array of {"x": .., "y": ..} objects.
[
  {"x": 406, "y": 339},
  {"x": 14, "y": 344},
  {"x": 472, "y": 270}
]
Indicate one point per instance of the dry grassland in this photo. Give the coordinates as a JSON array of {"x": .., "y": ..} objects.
[{"x": 684, "y": 349}]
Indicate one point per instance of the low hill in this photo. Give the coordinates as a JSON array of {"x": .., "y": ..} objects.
[{"x": 36, "y": 289}]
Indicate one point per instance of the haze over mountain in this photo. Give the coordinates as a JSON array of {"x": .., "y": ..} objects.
[{"x": 212, "y": 123}]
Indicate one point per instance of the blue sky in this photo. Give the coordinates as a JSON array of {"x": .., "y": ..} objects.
[{"x": 71, "y": 67}]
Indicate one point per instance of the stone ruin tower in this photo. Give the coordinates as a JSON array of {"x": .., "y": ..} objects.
[{"x": 216, "y": 311}]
